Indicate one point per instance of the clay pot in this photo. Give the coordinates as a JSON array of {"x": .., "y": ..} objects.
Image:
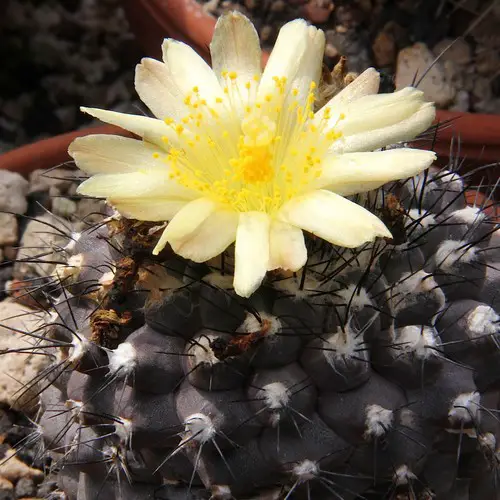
[{"x": 185, "y": 20}]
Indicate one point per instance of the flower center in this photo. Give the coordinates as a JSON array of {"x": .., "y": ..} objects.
[
  {"x": 257, "y": 161},
  {"x": 254, "y": 163}
]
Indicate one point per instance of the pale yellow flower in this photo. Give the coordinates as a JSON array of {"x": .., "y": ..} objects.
[{"x": 238, "y": 155}]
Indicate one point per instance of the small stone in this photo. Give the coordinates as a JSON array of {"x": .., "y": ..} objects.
[
  {"x": 211, "y": 6},
  {"x": 88, "y": 211},
  {"x": 266, "y": 32},
  {"x": 6, "y": 489},
  {"x": 40, "y": 236},
  {"x": 46, "y": 488},
  {"x": 416, "y": 60},
  {"x": 331, "y": 51},
  {"x": 384, "y": 49},
  {"x": 12, "y": 469},
  {"x": 8, "y": 229},
  {"x": 482, "y": 88},
  {"x": 278, "y": 6},
  {"x": 63, "y": 206},
  {"x": 462, "y": 102},
  {"x": 17, "y": 388},
  {"x": 487, "y": 61},
  {"x": 13, "y": 191},
  {"x": 43, "y": 180},
  {"x": 25, "y": 487},
  {"x": 459, "y": 52},
  {"x": 318, "y": 11},
  {"x": 453, "y": 73},
  {"x": 349, "y": 15}
]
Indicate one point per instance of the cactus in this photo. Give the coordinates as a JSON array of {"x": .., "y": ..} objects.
[{"x": 370, "y": 372}]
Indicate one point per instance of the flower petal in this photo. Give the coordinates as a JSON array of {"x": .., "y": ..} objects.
[
  {"x": 381, "y": 110},
  {"x": 158, "y": 90},
  {"x": 147, "y": 209},
  {"x": 235, "y": 48},
  {"x": 107, "y": 154},
  {"x": 150, "y": 129},
  {"x": 155, "y": 184},
  {"x": 353, "y": 173},
  {"x": 287, "y": 247},
  {"x": 188, "y": 70},
  {"x": 186, "y": 221},
  {"x": 297, "y": 55},
  {"x": 333, "y": 218},
  {"x": 251, "y": 252},
  {"x": 210, "y": 239},
  {"x": 405, "y": 130}
]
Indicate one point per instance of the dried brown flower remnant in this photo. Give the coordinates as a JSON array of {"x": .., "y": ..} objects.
[
  {"x": 105, "y": 325},
  {"x": 393, "y": 215},
  {"x": 332, "y": 82},
  {"x": 240, "y": 344}
]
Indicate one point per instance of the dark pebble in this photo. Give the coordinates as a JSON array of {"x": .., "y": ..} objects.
[{"x": 25, "y": 488}]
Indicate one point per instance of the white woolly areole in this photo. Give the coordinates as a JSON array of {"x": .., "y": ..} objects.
[
  {"x": 341, "y": 343},
  {"x": 403, "y": 475},
  {"x": 252, "y": 323},
  {"x": 417, "y": 218},
  {"x": 465, "y": 408},
  {"x": 199, "y": 427},
  {"x": 419, "y": 340},
  {"x": 70, "y": 246},
  {"x": 110, "y": 452},
  {"x": 378, "y": 421},
  {"x": 451, "y": 252},
  {"x": 75, "y": 408},
  {"x": 306, "y": 470},
  {"x": 202, "y": 352},
  {"x": 276, "y": 395},
  {"x": 78, "y": 349},
  {"x": 123, "y": 429},
  {"x": 468, "y": 215},
  {"x": 483, "y": 320},
  {"x": 452, "y": 180},
  {"x": 122, "y": 360},
  {"x": 355, "y": 296}
]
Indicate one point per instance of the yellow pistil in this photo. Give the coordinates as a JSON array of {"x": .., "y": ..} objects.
[{"x": 273, "y": 154}]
